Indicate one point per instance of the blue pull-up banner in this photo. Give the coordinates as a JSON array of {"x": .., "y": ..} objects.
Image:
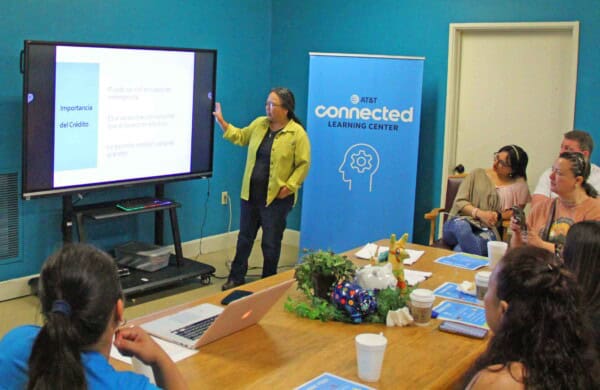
[{"x": 363, "y": 123}]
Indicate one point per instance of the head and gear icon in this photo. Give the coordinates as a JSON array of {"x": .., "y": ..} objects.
[{"x": 361, "y": 162}]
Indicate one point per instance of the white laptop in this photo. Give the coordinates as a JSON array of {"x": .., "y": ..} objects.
[{"x": 205, "y": 323}]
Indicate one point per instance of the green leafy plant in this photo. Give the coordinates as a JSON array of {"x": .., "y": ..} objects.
[
  {"x": 316, "y": 309},
  {"x": 324, "y": 266},
  {"x": 389, "y": 299},
  {"x": 328, "y": 268}
]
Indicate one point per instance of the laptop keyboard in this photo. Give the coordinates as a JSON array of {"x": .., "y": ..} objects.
[{"x": 195, "y": 330}]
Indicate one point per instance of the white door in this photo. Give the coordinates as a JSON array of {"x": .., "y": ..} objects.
[{"x": 509, "y": 83}]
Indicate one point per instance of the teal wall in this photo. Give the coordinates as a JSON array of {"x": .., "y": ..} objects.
[
  {"x": 240, "y": 30},
  {"x": 260, "y": 43},
  {"x": 420, "y": 28}
]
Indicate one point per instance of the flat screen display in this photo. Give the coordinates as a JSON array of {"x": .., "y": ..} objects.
[{"x": 97, "y": 116}]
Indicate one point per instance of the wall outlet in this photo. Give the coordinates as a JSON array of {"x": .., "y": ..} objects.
[{"x": 224, "y": 197}]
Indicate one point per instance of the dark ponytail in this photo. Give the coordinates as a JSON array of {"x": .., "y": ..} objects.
[
  {"x": 288, "y": 102},
  {"x": 79, "y": 288},
  {"x": 55, "y": 360},
  {"x": 590, "y": 190}
]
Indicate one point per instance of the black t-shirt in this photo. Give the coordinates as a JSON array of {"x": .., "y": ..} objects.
[{"x": 259, "y": 181}]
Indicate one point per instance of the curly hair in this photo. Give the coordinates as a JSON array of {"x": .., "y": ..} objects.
[{"x": 543, "y": 327}]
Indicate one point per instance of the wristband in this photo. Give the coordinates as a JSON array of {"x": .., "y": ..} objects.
[{"x": 474, "y": 212}]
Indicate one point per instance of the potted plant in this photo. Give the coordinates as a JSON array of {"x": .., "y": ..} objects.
[{"x": 320, "y": 270}]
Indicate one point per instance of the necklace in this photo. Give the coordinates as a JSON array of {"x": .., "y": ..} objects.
[{"x": 571, "y": 204}]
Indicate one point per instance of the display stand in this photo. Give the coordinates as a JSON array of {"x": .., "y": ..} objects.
[{"x": 138, "y": 281}]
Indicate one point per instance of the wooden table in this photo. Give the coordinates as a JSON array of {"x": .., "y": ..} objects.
[{"x": 284, "y": 351}]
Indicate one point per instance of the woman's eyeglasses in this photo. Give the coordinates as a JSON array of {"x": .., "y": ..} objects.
[
  {"x": 503, "y": 163},
  {"x": 271, "y": 104}
]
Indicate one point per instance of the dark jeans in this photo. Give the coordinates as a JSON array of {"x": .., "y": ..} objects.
[{"x": 272, "y": 219}]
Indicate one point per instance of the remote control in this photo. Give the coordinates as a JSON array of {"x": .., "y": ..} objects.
[{"x": 462, "y": 329}]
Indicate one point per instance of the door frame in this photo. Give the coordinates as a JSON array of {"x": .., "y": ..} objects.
[{"x": 457, "y": 30}]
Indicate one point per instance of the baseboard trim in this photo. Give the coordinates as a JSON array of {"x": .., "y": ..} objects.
[
  {"x": 228, "y": 240},
  {"x": 15, "y": 288}
]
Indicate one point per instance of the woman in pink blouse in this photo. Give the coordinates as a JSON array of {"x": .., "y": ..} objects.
[{"x": 485, "y": 198}]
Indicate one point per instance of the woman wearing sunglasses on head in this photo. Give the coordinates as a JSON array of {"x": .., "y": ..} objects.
[
  {"x": 549, "y": 221},
  {"x": 485, "y": 198}
]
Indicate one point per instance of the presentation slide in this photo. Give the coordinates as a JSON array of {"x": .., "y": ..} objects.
[{"x": 130, "y": 109}]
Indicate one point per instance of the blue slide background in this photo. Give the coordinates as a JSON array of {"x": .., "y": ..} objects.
[{"x": 76, "y": 84}]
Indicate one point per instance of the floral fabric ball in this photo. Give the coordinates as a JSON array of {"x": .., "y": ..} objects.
[{"x": 358, "y": 302}]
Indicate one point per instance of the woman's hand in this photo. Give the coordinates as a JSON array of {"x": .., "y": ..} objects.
[
  {"x": 218, "y": 114},
  {"x": 284, "y": 192},
  {"x": 515, "y": 226},
  {"x": 527, "y": 237},
  {"x": 532, "y": 238},
  {"x": 134, "y": 341},
  {"x": 518, "y": 238},
  {"x": 489, "y": 218}
]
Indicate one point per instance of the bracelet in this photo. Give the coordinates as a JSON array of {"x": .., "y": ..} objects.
[{"x": 474, "y": 212}]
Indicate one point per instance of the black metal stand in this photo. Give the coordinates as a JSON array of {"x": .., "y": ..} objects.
[{"x": 179, "y": 268}]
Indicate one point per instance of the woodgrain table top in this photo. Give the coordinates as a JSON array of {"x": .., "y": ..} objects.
[{"x": 284, "y": 351}]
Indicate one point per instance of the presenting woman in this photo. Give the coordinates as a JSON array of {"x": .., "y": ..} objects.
[
  {"x": 485, "y": 198},
  {"x": 549, "y": 221},
  {"x": 541, "y": 337},
  {"x": 82, "y": 304},
  {"x": 276, "y": 165}
]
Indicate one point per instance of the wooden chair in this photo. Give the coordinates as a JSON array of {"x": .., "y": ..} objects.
[{"x": 441, "y": 213}]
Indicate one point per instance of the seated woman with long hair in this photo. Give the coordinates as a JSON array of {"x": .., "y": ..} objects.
[
  {"x": 581, "y": 255},
  {"x": 485, "y": 198},
  {"x": 541, "y": 339},
  {"x": 82, "y": 304},
  {"x": 549, "y": 220}
]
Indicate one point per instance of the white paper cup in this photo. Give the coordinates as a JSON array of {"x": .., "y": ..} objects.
[
  {"x": 496, "y": 249},
  {"x": 143, "y": 369},
  {"x": 482, "y": 278},
  {"x": 421, "y": 302},
  {"x": 370, "y": 348}
]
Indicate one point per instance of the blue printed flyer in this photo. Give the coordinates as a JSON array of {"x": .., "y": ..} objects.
[
  {"x": 332, "y": 382},
  {"x": 461, "y": 312},
  {"x": 450, "y": 290},
  {"x": 464, "y": 260}
]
